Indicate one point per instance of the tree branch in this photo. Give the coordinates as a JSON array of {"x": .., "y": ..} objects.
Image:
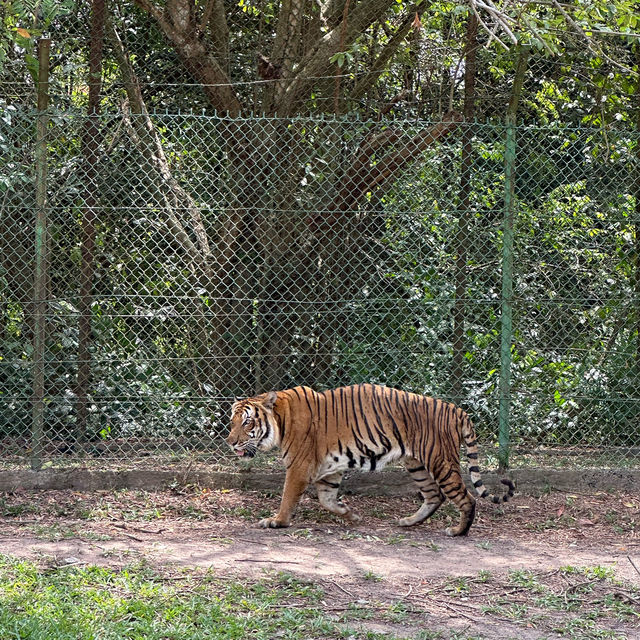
[
  {"x": 367, "y": 81},
  {"x": 215, "y": 19},
  {"x": 596, "y": 51},
  {"x": 389, "y": 166},
  {"x": 147, "y": 141},
  {"x": 179, "y": 26},
  {"x": 315, "y": 63},
  {"x": 365, "y": 176},
  {"x": 286, "y": 48}
]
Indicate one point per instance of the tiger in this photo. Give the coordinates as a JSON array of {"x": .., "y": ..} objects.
[{"x": 322, "y": 435}]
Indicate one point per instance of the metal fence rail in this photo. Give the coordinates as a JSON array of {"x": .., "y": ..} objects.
[{"x": 196, "y": 258}]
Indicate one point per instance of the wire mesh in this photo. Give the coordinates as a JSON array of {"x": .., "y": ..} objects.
[
  {"x": 189, "y": 257},
  {"x": 236, "y": 256}
]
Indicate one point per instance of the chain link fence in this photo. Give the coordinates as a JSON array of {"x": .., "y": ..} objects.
[
  {"x": 157, "y": 263},
  {"x": 187, "y": 259}
]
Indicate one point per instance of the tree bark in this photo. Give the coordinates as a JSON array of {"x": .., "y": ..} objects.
[
  {"x": 179, "y": 24},
  {"x": 173, "y": 200},
  {"x": 462, "y": 238},
  {"x": 90, "y": 144}
]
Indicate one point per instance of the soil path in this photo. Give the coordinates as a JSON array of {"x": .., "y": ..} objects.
[
  {"x": 328, "y": 552},
  {"x": 375, "y": 561}
]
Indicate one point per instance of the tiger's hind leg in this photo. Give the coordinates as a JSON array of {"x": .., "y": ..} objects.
[
  {"x": 454, "y": 488},
  {"x": 431, "y": 493},
  {"x": 327, "y": 488}
]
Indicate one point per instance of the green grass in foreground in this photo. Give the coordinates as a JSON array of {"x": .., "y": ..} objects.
[{"x": 94, "y": 603}]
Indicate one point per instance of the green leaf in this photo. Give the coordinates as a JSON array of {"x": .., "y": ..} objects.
[{"x": 32, "y": 66}]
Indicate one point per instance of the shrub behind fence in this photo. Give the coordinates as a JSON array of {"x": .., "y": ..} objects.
[{"x": 197, "y": 258}]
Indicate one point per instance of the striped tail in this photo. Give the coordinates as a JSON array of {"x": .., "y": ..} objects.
[{"x": 471, "y": 442}]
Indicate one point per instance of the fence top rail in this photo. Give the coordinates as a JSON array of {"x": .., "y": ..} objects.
[{"x": 496, "y": 123}]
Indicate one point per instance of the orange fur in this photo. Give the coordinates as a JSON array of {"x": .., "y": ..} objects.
[{"x": 322, "y": 435}]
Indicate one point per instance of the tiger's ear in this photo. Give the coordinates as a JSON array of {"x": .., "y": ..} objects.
[{"x": 269, "y": 399}]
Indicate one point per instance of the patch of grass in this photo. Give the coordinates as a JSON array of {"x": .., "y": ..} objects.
[
  {"x": 193, "y": 513},
  {"x": 305, "y": 534},
  {"x": 371, "y": 575},
  {"x": 428, "y": 635},
  {"x": 446, "y": 512},
  {"x": 357, "y": 611},
  {"x": 379, "y": 512},
  {"x": 557, "y": 602},
  {"x": 358, "y": 535},
  {"x": 17, "y": 510},
  {"x": 299, "y": 587},
  {"x": 583, "y": 628},
  {"x": 121, "y": 505},
  {"x": 484, "y": 576},
  {"x": 575, "y": 602},
  {"x": 486, "y": 545},
  {"x": 396, "y": 539},
  {"x": 247, "y": 513},
  {"x": 351, "y": 535},
  {"x": 620, "y": 606},
  {"x": 138, "y": 602},
  {"x": 120, "y": 553},
  {"x": 516, "y": 611},
  {"x": 525, "y": 579},
  {"x": 592, "y": 573},
  {"x": 269, "y": 493},
  {"x": 458, "y": 586},
  {"x": 53, "y": 532},
  {"x": 563, "y": 521},
  {"x": 92, "y": 535},
  {"x": 431, "y": 545},
  {"x": 397, "y": 613}
]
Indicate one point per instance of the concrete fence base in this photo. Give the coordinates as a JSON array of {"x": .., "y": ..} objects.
[{"x": 391, "y": 482}]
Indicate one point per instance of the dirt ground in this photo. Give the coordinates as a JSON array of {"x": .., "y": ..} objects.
[{"x": 558, "y": 545}]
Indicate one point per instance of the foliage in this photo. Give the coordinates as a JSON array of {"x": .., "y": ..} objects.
[
  {"x": 215, "y": 270},
  {"x": 137, "y": 602}
]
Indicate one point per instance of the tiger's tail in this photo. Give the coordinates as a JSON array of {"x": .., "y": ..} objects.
[{"x": 471, "y": 442}]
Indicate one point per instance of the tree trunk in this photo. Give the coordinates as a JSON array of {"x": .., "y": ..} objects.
[
  {"x": 262, "y": 241},
  {"x": 90, "y": 146},
  {"x": 462, "y": 239},
  {"x": 636, "y": 284}
]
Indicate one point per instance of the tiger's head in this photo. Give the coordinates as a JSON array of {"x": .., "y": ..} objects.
[{"x": 253, "y": 425}]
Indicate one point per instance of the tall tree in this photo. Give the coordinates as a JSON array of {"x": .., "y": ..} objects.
[
  {"x": 262, "y": 218},
  {"x": 91, "y": 144},
  {"x": 465, "y": 209}
]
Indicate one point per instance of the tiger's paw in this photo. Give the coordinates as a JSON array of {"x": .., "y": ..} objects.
[
  {"x": 452, "y": 532},
  {"x": 406, "y": 522},
  {"x": 352, "y": 517},
  {"x": 272, "y": 523}
]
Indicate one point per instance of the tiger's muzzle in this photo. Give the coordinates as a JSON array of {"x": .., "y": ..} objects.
[{"x": 249, "y": 450}]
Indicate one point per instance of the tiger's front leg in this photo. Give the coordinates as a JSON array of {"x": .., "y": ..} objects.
[
  {"x": 293, "y": 488},
  {"x": 327, "y": 487}
]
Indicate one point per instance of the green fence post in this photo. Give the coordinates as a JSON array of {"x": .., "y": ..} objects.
[
  {"x": 41, "y": 258},
  {"x": 506, "y": 318}
]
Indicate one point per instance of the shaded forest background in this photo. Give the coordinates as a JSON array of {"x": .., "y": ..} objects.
[{"x": 249, "y": 195}]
